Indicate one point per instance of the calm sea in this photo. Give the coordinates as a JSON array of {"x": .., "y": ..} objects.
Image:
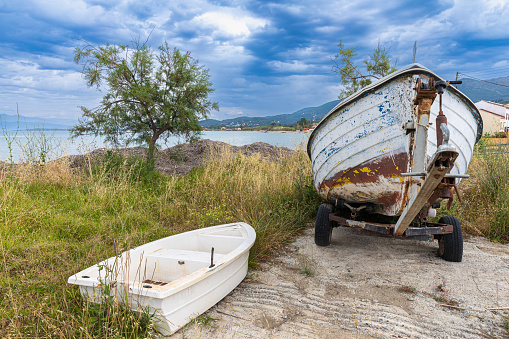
[{"x": 57, "y": 143}]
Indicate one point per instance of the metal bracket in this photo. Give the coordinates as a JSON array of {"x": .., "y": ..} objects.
[
  {"x": 354, "y": 210},
  {"x": 412, "y": 233},
  {"x": 441, "y": 164}
]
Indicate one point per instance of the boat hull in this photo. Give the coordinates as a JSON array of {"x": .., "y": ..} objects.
[
  {"x": 360, "y": 149},
  {"x": 172, "y": 277}
]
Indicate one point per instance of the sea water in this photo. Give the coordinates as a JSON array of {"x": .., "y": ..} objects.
[{"x": 54, "y": 144}]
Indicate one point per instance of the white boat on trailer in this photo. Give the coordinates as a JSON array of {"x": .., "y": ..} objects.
[
  {"x": 392, "y": 149},
  {"x": 176, "y": 278}
]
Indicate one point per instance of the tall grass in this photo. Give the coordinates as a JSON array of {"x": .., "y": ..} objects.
[
  {"x": 56, "y": 221},
  {"x": 277, "y": 197},
  {"x": 485, "y": 207}
]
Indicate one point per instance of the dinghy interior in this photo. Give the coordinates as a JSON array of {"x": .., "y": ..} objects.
[{"x": 177, "y": 278}]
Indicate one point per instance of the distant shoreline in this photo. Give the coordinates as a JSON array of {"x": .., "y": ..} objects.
[
  {"x": 260, "y": 131},
  {"x": 36, "y": 129},
  {"x": 205, "y": 130}
]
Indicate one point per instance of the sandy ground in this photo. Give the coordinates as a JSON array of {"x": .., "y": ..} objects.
[{"x": 364, "y": 286}]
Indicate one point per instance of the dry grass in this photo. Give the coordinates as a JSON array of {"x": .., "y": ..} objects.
[
  {"x": 485, "y": 207},
  {"x": 274, "y": 196},
  {"x": 55, "y": 221}
]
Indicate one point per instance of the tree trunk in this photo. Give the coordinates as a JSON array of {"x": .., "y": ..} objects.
[{"x": 152, "y": 148}]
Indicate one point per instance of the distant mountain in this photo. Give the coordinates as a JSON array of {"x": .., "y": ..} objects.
[
  {"x": 13, "y": 122},
  {"x": 476, "y": 90},
  {"x": 310, "y": 113},
  {"x": 486, "y": 90}
]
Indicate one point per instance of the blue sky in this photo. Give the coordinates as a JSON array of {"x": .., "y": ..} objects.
[{"x": 265, "y": 57}]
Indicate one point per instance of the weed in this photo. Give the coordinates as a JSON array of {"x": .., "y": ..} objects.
[
  {"x": 177, "y": 154},
  {"x": 38, "y": 147},
  {"x": 107, "y": 312},
  {"x": 443, "y": 295},
  {"x": 197, "y": 325},
  {"x": 204, "y": 320},
  {"x": 307, "y": 268},
  {"x": 489, "y": 173},
  {"x": 407, "y": 289},
  {"x": 10, "y": 137}
]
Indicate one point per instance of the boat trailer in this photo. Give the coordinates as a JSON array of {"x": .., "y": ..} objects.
[{"x": 427, "y": 185}]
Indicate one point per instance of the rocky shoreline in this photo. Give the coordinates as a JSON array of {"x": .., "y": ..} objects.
[{"x": 174, "y": 161}]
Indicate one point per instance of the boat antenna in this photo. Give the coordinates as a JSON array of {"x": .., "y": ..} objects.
[{"x": 415, "y": 51}]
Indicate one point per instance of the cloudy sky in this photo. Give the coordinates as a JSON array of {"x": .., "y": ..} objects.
[{"x": 265, "y": 57}]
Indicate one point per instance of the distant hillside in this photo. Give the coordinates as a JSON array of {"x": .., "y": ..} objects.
[
  {"x": 310, "y": 113},
  {"x": 476, "y": 90},
  {"x": 481, "y": 90},
  {"x": 13, "y": 122}
]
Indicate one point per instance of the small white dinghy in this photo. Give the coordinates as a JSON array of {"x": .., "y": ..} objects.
[{"x": 178, "y": 277}]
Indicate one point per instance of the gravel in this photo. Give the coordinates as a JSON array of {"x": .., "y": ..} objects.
[{"x": 364, "y": 286}]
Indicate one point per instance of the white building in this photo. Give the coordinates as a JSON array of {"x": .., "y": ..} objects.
[{"x": 495, "y": 116}]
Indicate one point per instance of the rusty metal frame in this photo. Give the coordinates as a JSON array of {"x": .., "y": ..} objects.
[{"x": 430, "y": 230}]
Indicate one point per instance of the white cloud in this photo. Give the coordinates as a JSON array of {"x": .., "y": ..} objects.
[
  {"x": 292, "y": 66},
  {"x": 231, "y": 23},
  {"x": 74, "y": 12},
  {"x": 486, "y": 19},
  {"x": 501, "y": 63},
  {"x": 287, "y": 8},
  {"x": 328, "y": 29},
  {"x": 43, "y": 92},
  {"x": 232, "y": 112},
  {"x": 28, "y": 74}
]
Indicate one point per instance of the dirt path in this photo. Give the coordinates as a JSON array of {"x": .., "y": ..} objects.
[{"x": 364, "y": 286}]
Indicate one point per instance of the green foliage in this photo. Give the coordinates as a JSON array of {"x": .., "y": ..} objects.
[
  {"x": 177, "y": 154},
  {"x": 149, "y": 95},
  {"x": 109, "y": 317},
  {"x": 38, "y": 146},
  {"x": 10, "y": 137},
  {"x": 488, "y": 135},
  {"x": 377, "y": 66},
  {"x": 130, "y": 169},
  {"x": 489, "y": 173},
  {"x": 379, "y": 63},
  {"x": 303, "y": 123},
  {"x": 307, "y": 268},
  {"x": 204, "y": 320}
]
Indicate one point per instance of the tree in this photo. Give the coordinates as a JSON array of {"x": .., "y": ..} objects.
[
  {"x": 149, "y": 95},
  {"x": 303, "y": 123},
  {"x": 377, "y": 66}
]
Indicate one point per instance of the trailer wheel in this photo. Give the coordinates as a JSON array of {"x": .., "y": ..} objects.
[
  {"x": 323, "y": 226},
  {"x": 450, "y": 246}
]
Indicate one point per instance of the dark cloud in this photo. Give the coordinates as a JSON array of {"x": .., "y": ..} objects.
[{"x": 265, "y": 57}]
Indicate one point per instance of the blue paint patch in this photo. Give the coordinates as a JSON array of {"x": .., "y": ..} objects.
[{"x": 369, "y": 127}]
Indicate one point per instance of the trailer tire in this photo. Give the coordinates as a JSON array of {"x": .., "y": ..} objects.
[
  {"x": 450, "y": 246},
  {"x": 323, "y": 226}
]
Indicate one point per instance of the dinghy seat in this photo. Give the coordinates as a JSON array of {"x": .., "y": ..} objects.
[
  {"x": 173, "y": 262},
  {"x": 184, "y": 255}
]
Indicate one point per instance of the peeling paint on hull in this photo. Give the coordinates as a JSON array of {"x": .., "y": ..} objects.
[
  {"x": 378, "y": 182},
  {"x": 360, "y": 149}
]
